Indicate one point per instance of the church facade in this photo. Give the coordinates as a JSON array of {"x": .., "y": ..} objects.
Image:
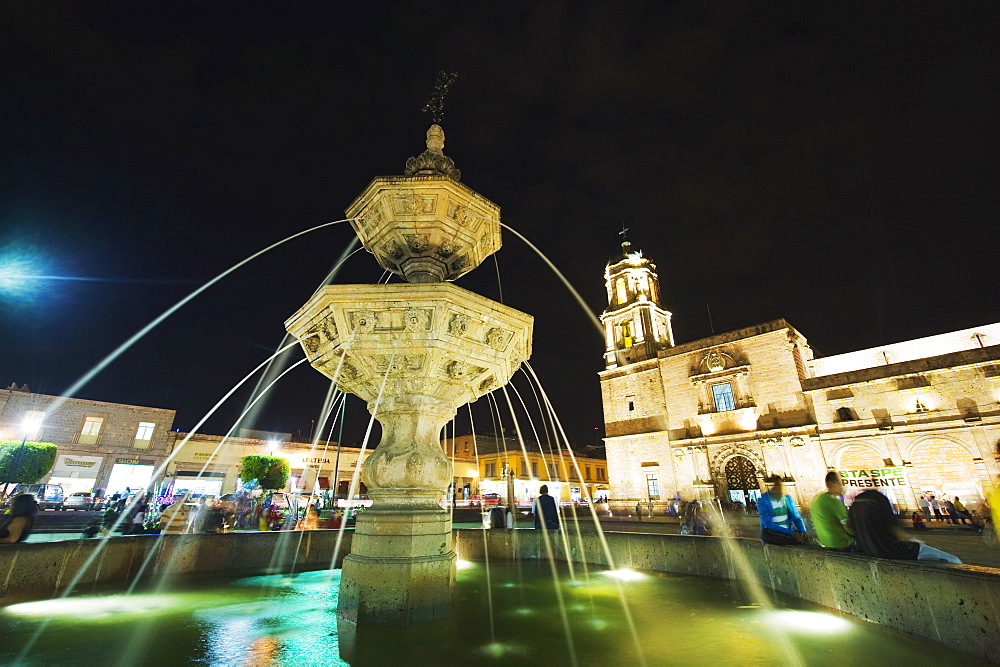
[{"x": 712, "y": 418}]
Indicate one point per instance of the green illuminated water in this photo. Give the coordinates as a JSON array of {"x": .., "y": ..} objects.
[{"x": 282, "y": 620}]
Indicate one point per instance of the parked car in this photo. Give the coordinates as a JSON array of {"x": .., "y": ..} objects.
[
  {"x": 82, "y": 500},
  {"x": 48, "y": 496}
]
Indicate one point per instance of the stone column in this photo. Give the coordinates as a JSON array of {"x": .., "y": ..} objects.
[{"x": 401, "y": 569}]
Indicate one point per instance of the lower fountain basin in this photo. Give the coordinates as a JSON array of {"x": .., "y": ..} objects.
[{"x": 280, "y": 619}]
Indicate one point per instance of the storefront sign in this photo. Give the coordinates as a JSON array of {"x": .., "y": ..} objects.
[
  {"x": 68, "y": 465},
  {"x": 315, "y": 460},
  {"x": 875, "y": 477},
  {"x": 130, "y": 462}
]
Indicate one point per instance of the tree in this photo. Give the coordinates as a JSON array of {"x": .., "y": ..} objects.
[
  {"x": 271, "y": 472},
  {"x": 25, "y": 462}
]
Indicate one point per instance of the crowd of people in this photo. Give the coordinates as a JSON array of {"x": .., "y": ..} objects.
[{"x": 870, "y": 526}]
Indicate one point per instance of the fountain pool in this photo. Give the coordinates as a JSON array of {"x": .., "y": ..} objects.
[{"x": 286, "y": 620}]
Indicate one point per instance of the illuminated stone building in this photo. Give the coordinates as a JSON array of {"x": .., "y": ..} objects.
[
  {"x": 100, "y": 445},
  {"x": 480, "y": 462},
  {"x": 713, "y": 417}
]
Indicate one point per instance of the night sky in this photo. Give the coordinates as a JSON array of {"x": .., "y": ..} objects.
[{"x": 829, "y": 163}]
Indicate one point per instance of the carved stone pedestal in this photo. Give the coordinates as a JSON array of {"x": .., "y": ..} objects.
[{"x": 401, "y": 569}]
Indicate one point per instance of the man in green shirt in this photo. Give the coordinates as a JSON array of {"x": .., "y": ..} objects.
[{"x": 829, "y": 516}]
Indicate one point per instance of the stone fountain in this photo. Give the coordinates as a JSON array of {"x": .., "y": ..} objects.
[{"x": 416, "y": 352}]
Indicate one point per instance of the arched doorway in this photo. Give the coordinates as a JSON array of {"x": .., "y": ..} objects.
[
  {"x": 741, "y": 480},
  {"x": 946, "y": 469}
]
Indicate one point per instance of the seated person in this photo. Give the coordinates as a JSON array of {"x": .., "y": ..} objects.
[
  {"x": 780, "y": 522},
  {"x": 829, "y": 516},
  {"x": 877, "y": 533},
  {"x": 918, "y": 521}
]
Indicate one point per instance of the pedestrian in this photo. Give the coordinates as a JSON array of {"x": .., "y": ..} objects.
[
  {"x": 876, "y": 532},
  {"x": 936, "y": 506},
  {"x": 638, "y": 510},
  {"x": 16, "y": 525},
  {"x": 925, "y": 507},
  {"x": 499, "y": 517},
  {"x": 310, "y": 521},
  {"x": 829, "y": 516},
  {"x": 109, "y": 519},
  {"x": 174, "y": 519},
  {"x": 780, "y": 522},
  {"x": 963, "y": 513},
  {"x": 92, "y": 529},
  {"x": 952, "y": 511},
  {"x": 545, "y": 510}
]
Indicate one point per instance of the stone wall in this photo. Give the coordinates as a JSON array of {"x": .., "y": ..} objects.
[
  {"x": 957, "y": 605},
  {"x": 45, "y": 569}
]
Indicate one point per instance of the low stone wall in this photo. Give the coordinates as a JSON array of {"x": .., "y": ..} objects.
[
  {"x": 44, "y": 569},
  {"x": 956, "y": 605}
]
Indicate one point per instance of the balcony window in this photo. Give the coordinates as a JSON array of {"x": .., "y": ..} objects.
[{"x": 722, "y": 394}]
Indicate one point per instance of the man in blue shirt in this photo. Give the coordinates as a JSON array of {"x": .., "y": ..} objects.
[{"x": 780, "y": 522}]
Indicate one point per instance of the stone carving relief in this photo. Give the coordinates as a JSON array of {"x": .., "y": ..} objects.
[
  {"x": 448, "y": 249},
  {"x": 364, "y": 321},
  {"x": 406, "y": 203},
  {"x": 714, "y": 361},
  {"x": 458, "y": 324},
  {"x": 729, "y": 451},
  {"x": 417, "y": 319},
  {"x": 418, "y": 243},
  {"x": 460, "y": 369},
  {"x": 458, "y": 212},
  {"x": 488, "y": 384},
  {"x": 497, "y": 338}
]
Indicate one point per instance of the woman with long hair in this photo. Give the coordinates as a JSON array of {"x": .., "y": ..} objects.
[{"x": 16, "y": 525}]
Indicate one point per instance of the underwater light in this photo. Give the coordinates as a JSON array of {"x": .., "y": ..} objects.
[
  {"x": 625, "y": 574},
  {"x": 808, "y": 621},
  {"x": 464, "y": 564},
  {"x": 94, "y": 607}
]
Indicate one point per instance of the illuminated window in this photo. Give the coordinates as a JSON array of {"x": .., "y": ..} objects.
[
  {"x": 723, "y": 395},
  {"x": 652, "y": 485},
  {"x": 91, "y": 430},
  {"x": 627, "y": 332},
  {"x": 586, "y": 471},
  {"x": 143, "y": 435},
  {"x": 534, "y": 468},
  {"x": 491, "y": 469},
  {"x": 620, "y": 291},
  {"x": 553, "y": 470},
  {"x": 600, "y": 473},
  {"x": 32, "y": 424}
]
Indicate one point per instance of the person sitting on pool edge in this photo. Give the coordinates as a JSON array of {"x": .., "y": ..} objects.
[
  {"x": 876, "y": 532},
  {"x": 780, "y": 522},
  {"x": 829, "y": 516}
]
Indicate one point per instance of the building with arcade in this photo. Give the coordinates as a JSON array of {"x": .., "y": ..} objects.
[{"x": 711, "y": 418}]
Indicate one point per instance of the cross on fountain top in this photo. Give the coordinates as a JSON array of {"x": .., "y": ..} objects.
[{"x": 435, "y": 105}]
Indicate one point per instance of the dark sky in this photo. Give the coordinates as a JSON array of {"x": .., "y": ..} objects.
[{"x": 830, "y": 163}]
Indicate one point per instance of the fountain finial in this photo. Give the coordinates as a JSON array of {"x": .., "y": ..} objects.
[{"x": 433, "y": 161}]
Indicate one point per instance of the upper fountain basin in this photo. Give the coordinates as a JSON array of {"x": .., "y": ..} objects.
[
  {"x": 427, "y": 342},
  {"x": 425, "y": 228}
]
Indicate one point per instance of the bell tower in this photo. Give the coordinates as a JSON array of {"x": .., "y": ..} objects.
[{"x": 635, "y": 325}]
